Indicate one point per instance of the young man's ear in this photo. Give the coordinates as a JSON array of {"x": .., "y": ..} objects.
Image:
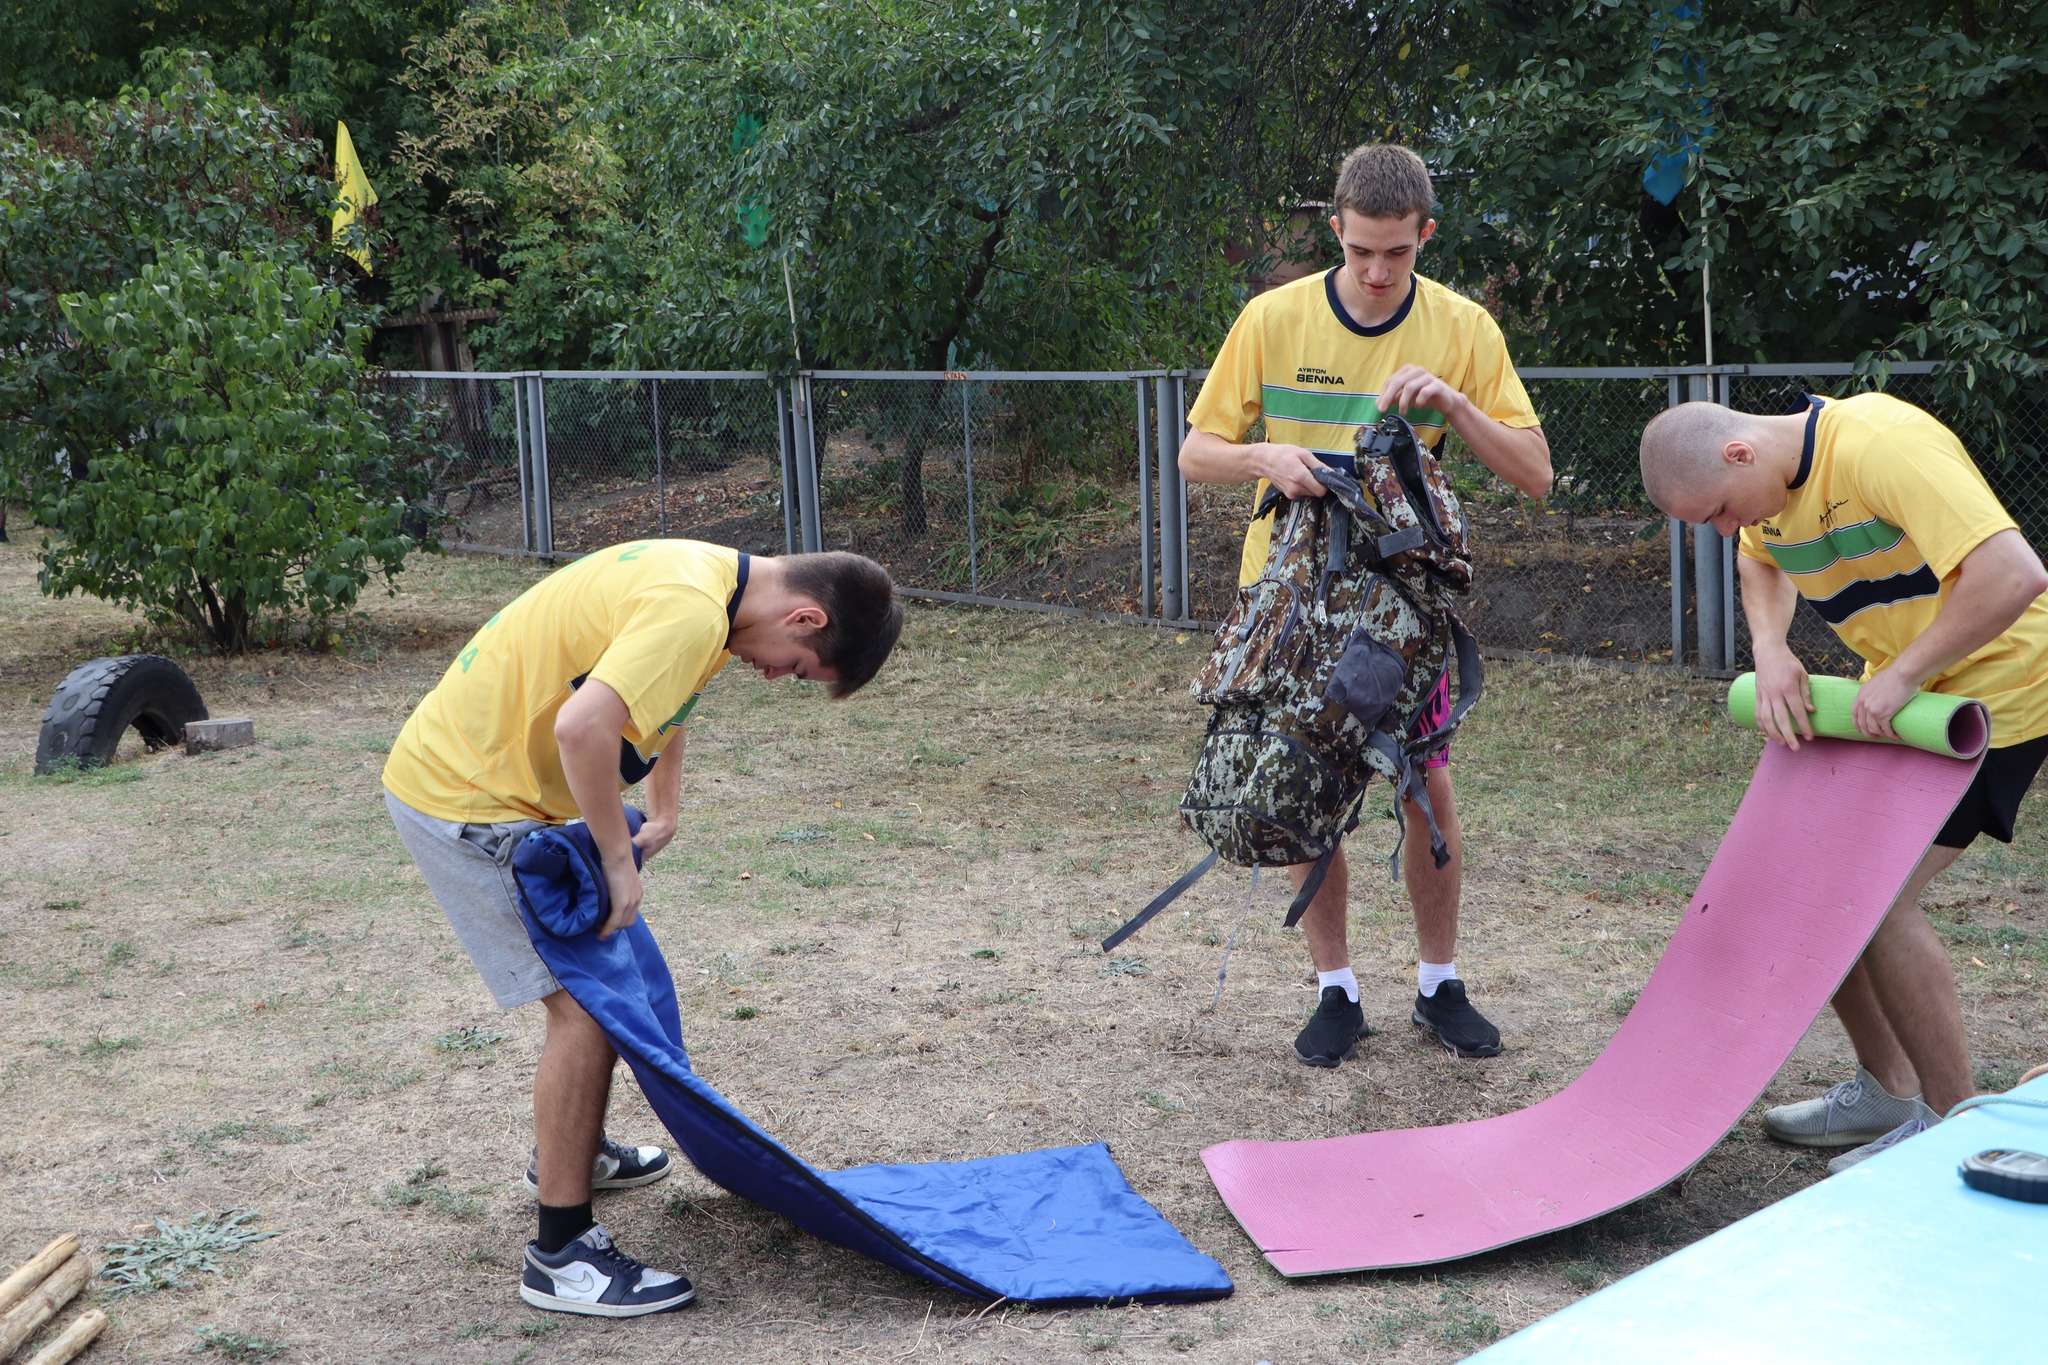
[
  {"x": 1428, "y": 231},
  {"x": 1738, "y": 452},
  {"x": 809, "y": 617}
]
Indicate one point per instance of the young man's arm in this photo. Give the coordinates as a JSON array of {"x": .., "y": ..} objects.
[
  {"x": 664, "y": 786},
  {"x": 1784, "y": 698},
  {"x": 587, "y": 732},
  {"x": 1206, "y": 457},
  {"x": 1994, "y": 584},
  {"x": 1521, "y": 455}
]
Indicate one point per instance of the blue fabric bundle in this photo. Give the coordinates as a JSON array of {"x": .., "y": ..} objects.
[{"x": 1060, "y": 1226}]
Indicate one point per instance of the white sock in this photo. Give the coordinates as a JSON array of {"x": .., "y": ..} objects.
[
  {"x": 1430, "y": 975},
  {"x": 1344, "y": 977}
]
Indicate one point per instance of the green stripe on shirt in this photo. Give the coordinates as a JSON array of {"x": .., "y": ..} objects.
[
  {"x": 1334, "y": 407},
  {"x": 1846, "y": 542}
]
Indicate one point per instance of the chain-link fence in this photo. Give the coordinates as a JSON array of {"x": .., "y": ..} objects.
[
  {"x": 1019, "y": 487},
  {"x": 1063, "y": 490}
]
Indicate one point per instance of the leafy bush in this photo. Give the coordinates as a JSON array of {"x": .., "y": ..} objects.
[
  {"x": 258, "y": 476},
  {"x": 181, "y": 389}
]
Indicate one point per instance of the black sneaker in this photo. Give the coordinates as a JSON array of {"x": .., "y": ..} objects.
[
  {"x": 1462, "y": 1030},
  {"x": 1333, "y": 1030},
  {"x": 592, "y": 1276},
  {"x": 616, "y": 1167}
]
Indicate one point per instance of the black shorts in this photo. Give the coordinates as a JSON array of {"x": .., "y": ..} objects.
[{"x": 1992, "y": 801}]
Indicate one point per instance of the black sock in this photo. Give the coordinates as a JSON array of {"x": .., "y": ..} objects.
[{"x": 562, "y": 1224}]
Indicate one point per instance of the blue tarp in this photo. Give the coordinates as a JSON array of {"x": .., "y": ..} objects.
[{"x": 1060, "y": 1226}]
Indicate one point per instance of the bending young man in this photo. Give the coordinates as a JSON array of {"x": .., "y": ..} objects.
[
  {"x": 1872, "y": 510},
  {"x": 575, "y": 691},
  {"x": 1317, "y": 359}
]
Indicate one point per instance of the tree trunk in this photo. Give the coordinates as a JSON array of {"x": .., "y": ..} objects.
[{"x": 923, "y": 411}]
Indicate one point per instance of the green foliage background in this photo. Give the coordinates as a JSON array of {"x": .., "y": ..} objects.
[
  {"x": 184, "y": 396},
  {"x": 1875, "y": 186},
  {"x": 1052, "y": 183}
]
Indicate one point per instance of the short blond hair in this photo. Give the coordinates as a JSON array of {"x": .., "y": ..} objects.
[
  {"x": 1681, "y": 449},
  {"x": 1384, "y": 180}
]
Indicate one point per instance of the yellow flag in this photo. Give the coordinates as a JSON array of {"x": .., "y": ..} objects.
[{"x": 352, "y": 187}]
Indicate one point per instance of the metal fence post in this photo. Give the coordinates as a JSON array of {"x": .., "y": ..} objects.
[
  {"x": 806, "y": 444},
  {"x": 1172, "y": 606},
  {"x": 1180, "y": 497},
  {"x": 1674, "y": 397},
  {"x": 967, "y": 455},
  {"x": 522, "y": 458},
  {"x": 1148, "y": 599},
  {"x": 660, "y": 479},
  {"x": 544, "y": 503},
  {"x": 1710, "y": 607},
  {"x": 786, "y": 448},
  {"x": 1723, "y": 383}
]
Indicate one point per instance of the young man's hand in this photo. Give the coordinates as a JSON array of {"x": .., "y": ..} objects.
[
  {"x": 622, "y": 880},
  {"x": 653, "y": 837},
  {"x": 1880, "y": 699},
  {"x": 1289, "y": 469},
  {"x": 1411, "y": 386},
  {"x": 1784, "y": 697}
]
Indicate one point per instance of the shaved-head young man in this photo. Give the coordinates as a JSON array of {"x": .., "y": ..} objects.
[
  {"x": 1873, "y": 512},
  {"x": 1315, "y": 360},
  {"x": 576, "y": 690}
]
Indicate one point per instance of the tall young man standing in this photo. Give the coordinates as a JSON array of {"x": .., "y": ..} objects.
[
  {"x": 1317, "y": 359},
  {"x": 576, "y": 690},
  {"x": 1872, "y": 510}
]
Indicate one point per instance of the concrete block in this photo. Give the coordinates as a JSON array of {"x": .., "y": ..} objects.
[{"x": 226, "y": 732}]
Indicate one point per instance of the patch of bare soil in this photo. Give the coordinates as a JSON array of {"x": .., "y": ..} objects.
[{"x": 226, "y": 987}]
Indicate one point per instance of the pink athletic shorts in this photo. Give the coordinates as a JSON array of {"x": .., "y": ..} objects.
[{"x": 1434, "y": 712}]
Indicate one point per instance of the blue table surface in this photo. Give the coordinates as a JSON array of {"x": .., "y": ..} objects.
[{"x": 1893, "y": 1260}]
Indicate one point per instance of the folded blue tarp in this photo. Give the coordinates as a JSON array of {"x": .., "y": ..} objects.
[{"x": 1060, "y": 1226}]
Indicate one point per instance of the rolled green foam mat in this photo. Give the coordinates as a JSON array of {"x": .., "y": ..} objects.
[{"x": 1955, "y": 726}]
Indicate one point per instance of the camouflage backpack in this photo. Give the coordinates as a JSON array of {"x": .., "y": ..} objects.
[{"x": 1327, "y": 662}]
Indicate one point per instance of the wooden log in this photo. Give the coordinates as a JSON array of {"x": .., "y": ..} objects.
[
  {"x": 73, "y": 1339},
  {"x": 17, "y": 1286},
  {"x": 26, "y": 1318}
]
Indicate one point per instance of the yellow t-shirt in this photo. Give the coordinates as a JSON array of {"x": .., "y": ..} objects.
[
  {"x": 647, "y": 619},
  {"x": 1296, "y": 358},
  {"x": 1886, "y": 504}
]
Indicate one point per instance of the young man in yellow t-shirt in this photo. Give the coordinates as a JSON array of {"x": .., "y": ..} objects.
[
  {"x": 576, "y": 690},
  {"x": 1317, "y": 359},
  {"x": 1873, "y": 512}
]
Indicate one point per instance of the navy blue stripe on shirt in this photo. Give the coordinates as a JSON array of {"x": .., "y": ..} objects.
[{"x": 1878, "y": 592}]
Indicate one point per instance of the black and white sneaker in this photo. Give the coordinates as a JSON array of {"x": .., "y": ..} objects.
[
  {"x": 1462, "y": 1030},
  {"x": 616, "y": 1167},
  {"x": 1333, "y": 1030},
  {"x": 592, "y": 1276}
]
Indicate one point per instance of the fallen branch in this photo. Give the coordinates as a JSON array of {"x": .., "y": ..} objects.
[
  {"x": 73, "y": 1339},
  {"x": 26, "y": 1318},
  {"x": 17, "y": 1286}
]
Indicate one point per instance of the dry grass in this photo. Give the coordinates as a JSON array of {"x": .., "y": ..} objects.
[{"x": 227, "y": 988}]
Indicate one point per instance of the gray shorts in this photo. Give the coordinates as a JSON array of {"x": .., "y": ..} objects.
[{"x": 469, "y": 870}]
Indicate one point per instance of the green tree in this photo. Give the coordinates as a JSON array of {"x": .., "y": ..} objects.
[
  {"x": 153, "y": 377},
  {"x": 85, "y": 205},
  {"x": 1874, "y": 185},
  {"x": 320, "y": 59},
  {"x": 513, "y": 198},
  {"x": 934, "y": 186},
  {"x": 257, "y": 479}
]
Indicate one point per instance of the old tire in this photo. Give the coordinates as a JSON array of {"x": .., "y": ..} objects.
[{"x": 98, "y": 703}]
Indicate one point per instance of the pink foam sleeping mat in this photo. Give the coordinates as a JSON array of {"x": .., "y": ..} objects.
[{"x": 1822, "y": 844}]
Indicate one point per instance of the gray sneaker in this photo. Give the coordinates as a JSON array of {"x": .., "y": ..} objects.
[
  {"x": 1854, "y": 1112},
  {"x": 1921, "y": 1121},
  {"x": 616, "y": 1167}
]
